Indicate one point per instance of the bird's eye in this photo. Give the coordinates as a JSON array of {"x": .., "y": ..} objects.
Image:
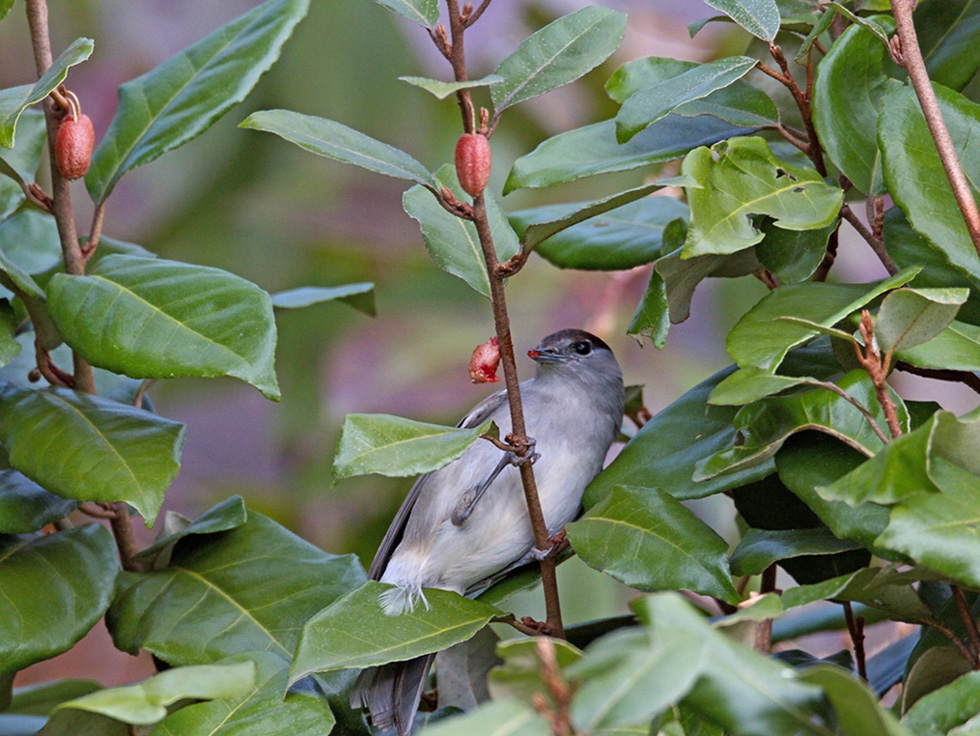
[{"x": 583, "y": 348}]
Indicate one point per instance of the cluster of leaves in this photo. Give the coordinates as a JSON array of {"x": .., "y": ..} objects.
[{"x": 864, "y": 498}]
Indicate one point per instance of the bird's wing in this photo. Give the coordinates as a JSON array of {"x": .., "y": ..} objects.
[{"x": 393, "y": 536}]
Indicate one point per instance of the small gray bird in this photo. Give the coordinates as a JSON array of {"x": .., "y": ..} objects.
[{"x": 464, "y": 525}]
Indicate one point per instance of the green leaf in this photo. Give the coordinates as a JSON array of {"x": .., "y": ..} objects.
[
  {"x": 650, "y": 541},
  {"x": 631, "y": 676},
  {"x": 740, "y": 178},
  {"x": 29, "y": 245},
  {"x": 847, "y": 96},
  {"x": 19, "y": 165},
  {"x": 249, "y": 588},
  {"x": 760, "y": 548},
  {"x": 653, "y": 103},
  {"x": 915, "y": 176},
  {"x": 151, "y": 318},
  {"x": 761, "y": 339},
  {"x": 15, "y": 100},
  {"x": 5, "y": 6},
  {"x": 910, "y": 317},
  {"x": 334, "y": 140},
  {"x": 500, "y": 718},
  {"x": 587, "y": 236},
  {"x": 393, "y": 446},
  {"x": 518, "y": 674},
  {"x": 758, "y": 17},
  {"x": 452, "y": 242},
  {"x": 128, "y": 454},
  {"x": 761, "y": 428},
  {"x": 652, "y": 316},
  {"x": 592, "y": 150},
  {"x": 664, "y": 452},
  {"x": 327, "y": 642},
  {"x": 182, "y": 97},
  {"x": 360, "y": 296},
  {"x": 442, "y": 90},
  {"x": 947, "y": 32},
  {"x": 751, "y": 384},
  {"x": 793, "y": 255},
  {"x": 859, "y": 711},
  {"x": 943, "y": 709},
  {"x": 229, "y": 514},
  {"x": 41, "y": 699},
  {"x": 423, "y": 12},
  {"x": 25, "y": 507},
  {"x": 956, "y": 348},
  {"x": 559, "y": 53},
  {"x": 739, "y": 103},
  {"x": 146, "y": 702},
  {"x": 256, "y": 711},
  {"x": 932, "y": 666},
  {"x": 55, "y": 587}
]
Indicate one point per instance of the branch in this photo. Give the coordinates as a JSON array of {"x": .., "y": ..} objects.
[
  {"x": 857, "y": 404},
  {"x": 910, "y": 56},
  {"x": 856, "y": 629},
  {"x": 877, "y": 244},
  {"x": 877, "y": 368},
  {"x": 963, "y": 608}
]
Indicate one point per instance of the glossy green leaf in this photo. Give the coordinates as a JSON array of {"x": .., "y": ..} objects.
[
  {"x": 793, "y": 255},
  {"x": 758, "y": 17},
  {"x": 327, "y": 642},
  {"x": 910, "y": 317},
  {"x": 915, "y": 176},
  {"x": 334, "y": 140},
  {"x": 107, "y": 451},
  {"x": 956, "y": 348},
  {"x": 518, "y": 675},
  {"x": 442, "y": 90},
  {"x": 182, "y": 97},
  {"x": 559, "y": 53},
  {"x": 592, "y": 150},
  {"x": 146, "y": 702},
  {"x": 739, "y": 103},
  {"x": 151, "y": 318},
  {"x": 811, "y": 461},
  {"x": 741, "y": 178},
  {"x": 588, "y": 236},
  {"x": 762, "y": 427},
  {"x": 852, "y": 78},
  {"x": 652, "y": 316},
  {"x": 943, "y": 709},
  {"x": 664, "y": 452},
  {"x": 258, "y": 711},
  {"x": 740, "y": 689},
  {"x": 55, "y": 587},
  {"x": 452, "y": 242},
  {"x": 25, "y": 507},
  {"x": 229, "y": 514},
  {"x": 19, "y": 165},
  {"x": 423, "y": 12},
  {"x": 760, "y": 548},
  {"x": 73, "y": 722},
  {"x": 650, "y": 541},
  {"x": 249, "y": 588},
  {"x": 751, "y": 384},
  {"x": 947, "y": 33},
  {"x": 29, "y": 245},
  {"x": 15, "y": 100},
  {"x": 761, "y": 339},
  {"x": 393, "y": 446},
  {"x": 360, "y": 296},
  {"x": 649, "y": 105},
  {"x": 9, "y": 324},
  {"x": 500, "y": 718},
  {"x": 5, "y": 6},
  {"x": 631, "y": 676},
  {"x": 934, "y": 664},
  {"x": 41, "y": 699},
  {"x": 859, "y": 711}
]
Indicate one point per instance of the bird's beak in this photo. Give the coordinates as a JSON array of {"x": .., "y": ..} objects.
[{"x": 544, "y": 355}]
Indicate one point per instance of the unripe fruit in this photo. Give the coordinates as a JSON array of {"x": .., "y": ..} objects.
[
  {"x": 73, "y": 146},
  {"x": 473, "y": 163},
  {"x": 483, "y": 364}
]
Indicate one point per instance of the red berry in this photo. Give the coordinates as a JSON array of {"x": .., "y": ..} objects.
[
  {"x": 73, "y": 146},
  {"x": 483, "y": 364},
  {"x": 473, "y": 163}
]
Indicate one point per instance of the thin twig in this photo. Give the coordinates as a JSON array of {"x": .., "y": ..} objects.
[
  {"x": 475, "y": 16},
  {"x": 97, "y": 510},
  {"x": 854, "y": 402},
  {"x": 856, "y": 629},
  {"x": 122, "y": 530},
  {"x": 877, "y": 369},
  {"x": 877, "y": 245},
  {"x": 763, "y": 629},
  {"x": 963, "y": 608},
  {"x": 956, "y": 641},
  {"x": 94, "y": 233},
  {"x": 141, "y": 392},
  {"x": 829, "y": 256},
  {"x": 913, "y": 62}
]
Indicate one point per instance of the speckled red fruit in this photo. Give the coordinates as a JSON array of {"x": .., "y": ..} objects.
[
  {"x": 483, "y": 364},
  {"x": 473, "y": 163},
  {"x": 73, "y": 146}
]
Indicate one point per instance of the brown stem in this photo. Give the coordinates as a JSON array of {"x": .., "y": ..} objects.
[
  {"x": 963, "y": 608},
  {"x": 877, "y": 245},
  {"x": 763, "y": 630},
  {"x": 856, "y": 629},
  {"x": 802, "y": 99},
  {"x": 122, "y": 530},
  {"x": 857, "y": 404},
  {"x": 37, "y": 19},
  {"x": 787, "y": 135},
  {"x": 457, "y": 58},
  {"x": 94, "y": 233},
  {"x": 915, "y": 65},
  {"x": 956, "y": 641},
  {"x": 561, "y": 692},
  {"x": 97, "y": 510},
  {"x": 877, "y": 368},
  {"x": 475, "y": 16},
  {"x": 829, "y": 256}
]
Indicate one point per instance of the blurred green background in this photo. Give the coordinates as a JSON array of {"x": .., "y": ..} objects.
[{"x": 253, "y": 204}]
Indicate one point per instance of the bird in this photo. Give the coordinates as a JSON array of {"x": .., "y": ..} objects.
[{"x": 465, "y": 525}]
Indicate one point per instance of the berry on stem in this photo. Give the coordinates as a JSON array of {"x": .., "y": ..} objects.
[{"x": 473, "y": 163}]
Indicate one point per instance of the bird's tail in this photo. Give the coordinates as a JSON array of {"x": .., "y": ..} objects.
[{"x": 391, "y": 692}]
